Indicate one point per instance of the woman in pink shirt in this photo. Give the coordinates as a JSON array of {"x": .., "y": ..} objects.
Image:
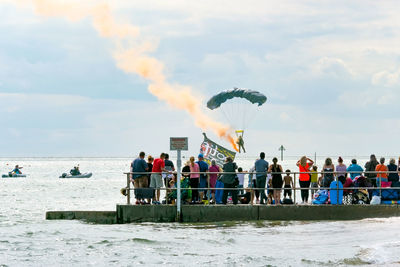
[
  {"x": 194, "y": 179},
  {"x": 213, "y": 173}
]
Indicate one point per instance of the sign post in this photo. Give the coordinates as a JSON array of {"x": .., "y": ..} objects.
[
  {"x": 281, "y": 148},
  {"x": 178, "y": 144}
]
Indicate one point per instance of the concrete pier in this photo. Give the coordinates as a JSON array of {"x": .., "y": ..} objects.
[
  {"x": 216, "y": 213},
  {"x": 100, "y": 217}
]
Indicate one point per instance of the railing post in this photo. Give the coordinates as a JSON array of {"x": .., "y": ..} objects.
[
  {"x": 337, "y": 190},
  {"x": 294, "y": 189},
  {"x": 128, "y": 188},
  {"x": 178, "y": 178}
]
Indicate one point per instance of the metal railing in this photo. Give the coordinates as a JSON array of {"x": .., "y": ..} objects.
[{"x": 294, "y": 188}]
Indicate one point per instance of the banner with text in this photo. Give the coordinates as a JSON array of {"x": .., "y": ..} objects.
[{"x": 212, "y": 150}]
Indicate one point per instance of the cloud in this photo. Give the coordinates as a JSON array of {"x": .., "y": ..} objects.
[
  {"x": 333, "y": 66},
  {"x": 386, "y": 78},
  {"x": 319, "y": 62},
  {"x": 69, "y": 125}
]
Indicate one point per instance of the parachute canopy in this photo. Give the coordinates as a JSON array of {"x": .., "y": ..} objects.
[
  {"x": 252, "y": 96},
  {"x": 239, "y": 106}
]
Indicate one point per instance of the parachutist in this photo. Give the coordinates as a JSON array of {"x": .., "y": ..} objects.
[{"x": 240, "y": 143}]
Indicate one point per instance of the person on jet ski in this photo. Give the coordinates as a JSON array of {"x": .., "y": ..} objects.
[
  {"x": 17, "y": 170},
  {"x": 75, "y": 171}
]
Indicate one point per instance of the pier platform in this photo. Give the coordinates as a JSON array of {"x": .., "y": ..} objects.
[{"x": 216, "y": 213}]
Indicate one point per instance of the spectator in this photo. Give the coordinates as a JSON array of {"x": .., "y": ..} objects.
[
  {"x": 203, "y": 182},
  {"x": 245, "y": 197},
  {"x": 253, "y": 184},
  {"x": 149, "y": 192},
  {"x": 240, "y": 176},
  {"x": 194, "y": 180},
  {"x": 327, "y": 173},
  {"x": 229, "y": 180},
  {"x": 277, "y": 181},
  {"x": 139, "y": 178},
  {"x": 398, "y": 165},
  {"x": 156, "y": 181},
  {"x": 304, "y": 165},
  {"x": 150, "y": 160},
  {"x": 393, "y": 169},
  {"x": 354, "y": 169},
  {"x": 381, "y": 169},
  {"x": 186, "y": 170},
  {"x": 261, "y": 167},
  {"x": 169, "y": 166},
  {"x": 341, "y": 173},
  {"x": 288, "y": 181},
  {"x": 213, "y": 176},
  {"x": 370, "y": 168},
  {"x": 314, "y": 180}
]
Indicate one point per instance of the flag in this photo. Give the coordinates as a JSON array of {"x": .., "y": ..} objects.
[{"x": 212, "y": 150}]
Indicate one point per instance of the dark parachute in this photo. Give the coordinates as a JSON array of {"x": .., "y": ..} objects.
[{"x": 252, "y": 96}]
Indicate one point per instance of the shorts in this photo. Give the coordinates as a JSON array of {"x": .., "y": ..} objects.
[
  {"x": 140, "y": 182},
  {"x": 156, "y": 180},
  {"x": 203, "y": 184}
]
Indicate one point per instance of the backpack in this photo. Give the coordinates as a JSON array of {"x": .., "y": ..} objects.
[
  {"x": 321, "y": 197},
  {"x": 287, "y": 201},
  {"x": 361, "y": 197}
]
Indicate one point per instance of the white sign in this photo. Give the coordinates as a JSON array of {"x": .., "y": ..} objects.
[{"x": 178, "y": 143}]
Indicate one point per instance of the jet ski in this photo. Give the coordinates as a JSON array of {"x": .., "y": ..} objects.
[
  {"x": 82, "y": 175},
  {"x": 13, "y": 175}
]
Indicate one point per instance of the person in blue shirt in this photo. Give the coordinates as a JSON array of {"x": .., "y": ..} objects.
[
  {"x": 354, "y": 167},
  {"x": 261, "y": 167},
  {"x": 139, "y": 177},
  {"x": 17, "y": 170},
  {"x": 203, "y": 166}
]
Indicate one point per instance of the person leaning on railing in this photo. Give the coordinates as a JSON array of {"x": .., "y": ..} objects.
[
  {"x": 139, "y": 179},
  {"x": 194, "y": 180},
  {"x": 261, "y": 166},
  {"x": 203, "y": 181},
  {"x": 213, "y": 176},
  {"x": 354, "y": 169},
  {"x": 381, "y": 169},
  {"x": 304, "y": 165},
  {"x": 156, "y": 181},
  {"x": 327, "y": 173},
  {"x": 370, "y": 167},
  {"x": 341, "y": 173},
  {"x": 228, "y": 179},
  {"x": 393, "y": 171}
]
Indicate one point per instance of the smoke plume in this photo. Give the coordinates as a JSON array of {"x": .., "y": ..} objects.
[{"x": 132, "y": 56}]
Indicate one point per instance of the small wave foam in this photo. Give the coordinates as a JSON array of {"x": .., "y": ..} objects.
[{"x": 144, "y": 241}]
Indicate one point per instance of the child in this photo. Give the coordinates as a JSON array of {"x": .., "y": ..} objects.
[
  {"x": 240, "y": 176},
  {"x": 246, "y": 197},
  {"x": 253, "y": 184},
  {"x": 314, "y": 180},
  {"x": 288, "y": 185},
  {"x": 270, "y": 192}
]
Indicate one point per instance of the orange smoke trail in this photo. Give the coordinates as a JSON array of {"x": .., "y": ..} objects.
[{"x": 134, "y": 58}]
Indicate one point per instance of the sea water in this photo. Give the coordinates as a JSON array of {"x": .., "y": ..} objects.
[{"x": 27, "y": 239}]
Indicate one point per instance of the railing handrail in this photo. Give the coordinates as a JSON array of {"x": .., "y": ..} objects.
[
  {"x": 271, "y": 188},
  {"x": 309, "y": 172}
]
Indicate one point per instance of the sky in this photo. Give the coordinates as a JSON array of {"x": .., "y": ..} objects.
[{"x": 330, "y": 70}]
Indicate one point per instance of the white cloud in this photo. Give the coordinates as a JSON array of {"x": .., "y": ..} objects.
[
  {"x": 333, "y": 66},
  {"x": 386, "y": 78},
  {"x": 309, "y": 46}
]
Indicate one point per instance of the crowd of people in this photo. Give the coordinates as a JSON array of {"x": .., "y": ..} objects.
[{"x": 267, "y": 183}]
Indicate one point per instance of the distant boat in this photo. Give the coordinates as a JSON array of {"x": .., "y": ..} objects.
[
  {"x": 83, "y": 175},
  {"x": 13, "y": 175}
]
